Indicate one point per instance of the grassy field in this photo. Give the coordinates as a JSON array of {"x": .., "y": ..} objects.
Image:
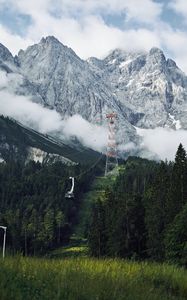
[
  {"x": 77, "y": 248},
  {"x": 89, "y": 279}
]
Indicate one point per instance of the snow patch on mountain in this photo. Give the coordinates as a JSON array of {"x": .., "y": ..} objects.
[
  {"x": 124, "y": 63},
  {"x": 175, "y": 122},
  {"x": 112, "y": 62}
]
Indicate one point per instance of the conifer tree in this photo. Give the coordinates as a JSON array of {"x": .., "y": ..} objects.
[
  {"x": 178, "y": 189},
  {"x": 176, "y": 239},
  {"x": 97, "y": 230}
]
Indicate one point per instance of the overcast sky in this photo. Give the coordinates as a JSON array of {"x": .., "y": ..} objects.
[{"x": 94, "y": 27}]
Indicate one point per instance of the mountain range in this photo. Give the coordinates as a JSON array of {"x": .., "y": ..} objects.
[{"x": 146, "y": 90}]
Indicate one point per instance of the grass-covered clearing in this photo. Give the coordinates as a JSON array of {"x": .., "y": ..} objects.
[{"x": 89, "y": 279}]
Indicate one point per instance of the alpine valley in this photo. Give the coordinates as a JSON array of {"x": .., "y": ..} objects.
[
  {"x": 146, "y": 90},
  {"x": 73, "y": 224}
]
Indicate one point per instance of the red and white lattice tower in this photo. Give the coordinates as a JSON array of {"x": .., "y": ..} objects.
[{"x": 111, "y": 153}]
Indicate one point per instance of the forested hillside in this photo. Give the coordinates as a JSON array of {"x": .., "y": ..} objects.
[
  {"x": 143, "y": 214},
  {"x": 33, "y": 204}
]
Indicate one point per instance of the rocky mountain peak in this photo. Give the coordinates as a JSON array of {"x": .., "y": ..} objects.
[
  {"x": 45, "y": 46},
  {"x": 50, "y": 43},
  {"x": 157, "y": 56},
  {"x": 5, "y": 54},
  {"x": 50, "y": 39},
  {"x": 47, "y": 54},
  {"x": 155, "y": 62},
  {"x": 156, "y": 51},
  {"x": 171, "y": 63}
]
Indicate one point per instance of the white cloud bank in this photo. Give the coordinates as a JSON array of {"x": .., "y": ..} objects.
[
  {"x": 29, "y": 113},
  {"x": 49, "y": 121},
  {"x": 90, "y": 134},
  {"x": 163, "y": 141}
]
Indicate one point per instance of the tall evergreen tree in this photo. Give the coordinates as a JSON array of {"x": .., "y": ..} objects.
[
  {"x": 176, "y": 239},
  {"x": 178, "y": 188}
]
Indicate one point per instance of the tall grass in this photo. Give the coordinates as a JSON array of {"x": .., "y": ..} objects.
[{"x": 89, "y": 279}]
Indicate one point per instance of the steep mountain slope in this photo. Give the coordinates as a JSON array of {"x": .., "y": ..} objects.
[{"x": 20, "y": 143}]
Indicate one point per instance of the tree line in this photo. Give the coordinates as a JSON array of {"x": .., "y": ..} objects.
[{"x": 143, "y": 215}]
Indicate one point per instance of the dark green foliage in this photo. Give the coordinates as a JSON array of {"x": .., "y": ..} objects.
[
  {"x": 97, "y": 230},
  {"x": 33, "y": 204},
  {"x": 123, "y": 212},
  {"x": 145, "y": 211},
  {"x": 178, "y": 191},
  {"x": 156, "y": 210},
  {"x": 176, "y": 239}
]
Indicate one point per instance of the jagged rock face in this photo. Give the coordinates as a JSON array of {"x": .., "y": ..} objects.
[
  {"x": 5, "y": 55},
  {"x": 145, "y": 89},
  {"x": 64, "y": 81},
  {"x": 150, "y": 88}
]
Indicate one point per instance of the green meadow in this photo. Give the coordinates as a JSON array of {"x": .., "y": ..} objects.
[{"x": 89, "y": 279}]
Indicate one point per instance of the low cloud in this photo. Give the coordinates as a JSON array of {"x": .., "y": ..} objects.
[
  {"x": 29, "y": 113},
  {"x": 49, "y": 121},
  {"x": 89, "y": 134},
  {"x": 45, "y": 120},
  {"x": 4, "y": 80},
  {"x": 127, "y": 147},
  {"x": 163, "y": 142}
]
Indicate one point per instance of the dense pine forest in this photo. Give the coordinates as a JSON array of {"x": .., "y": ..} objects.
[
  {"x": 143, "y": 214},
  {"x": 139, "y": 215},
  {"x": 33, "y": 204}
]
